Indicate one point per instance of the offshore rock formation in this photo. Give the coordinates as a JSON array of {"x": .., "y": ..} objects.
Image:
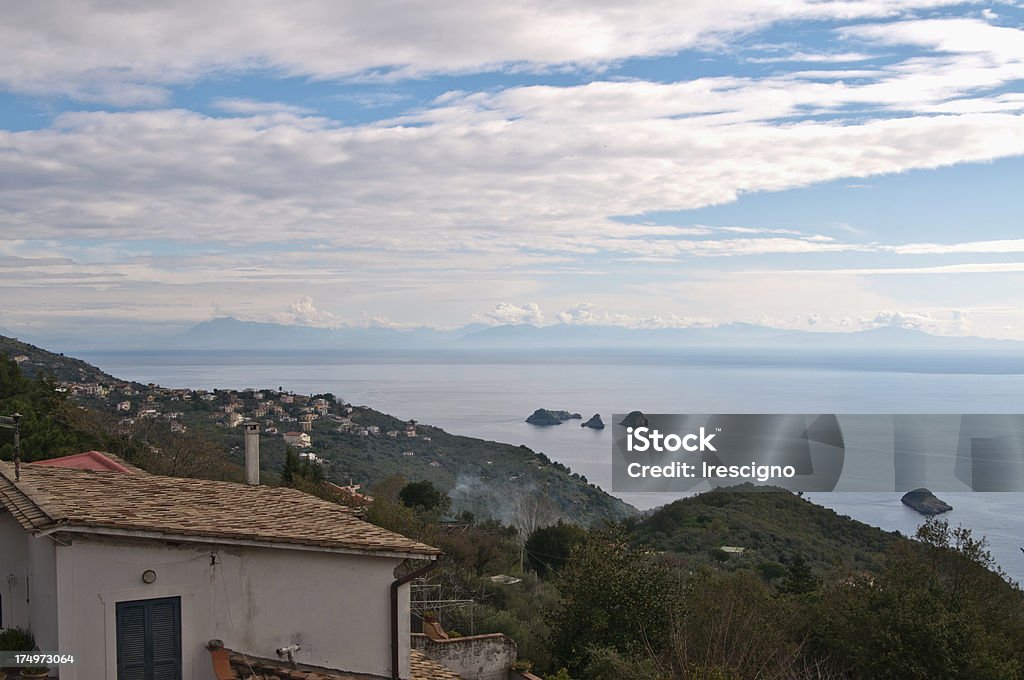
[
  {"x": 925, "y": 502},
  {"x": 543, "y": 417}
]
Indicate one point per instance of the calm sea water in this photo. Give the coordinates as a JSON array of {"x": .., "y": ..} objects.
[{"x": 490, "y": 395}]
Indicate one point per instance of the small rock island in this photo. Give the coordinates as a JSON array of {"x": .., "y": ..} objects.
[
  {"x": 545, "y": 417},
  {"x": 634, "y": 419},
  {"x": 595, "y": 422},
  {"x": 925, "y": 502}
]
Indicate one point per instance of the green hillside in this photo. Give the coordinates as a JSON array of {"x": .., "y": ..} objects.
[
  {"x": 36, "y": 362},
  {"x": 771, "y": 527}
]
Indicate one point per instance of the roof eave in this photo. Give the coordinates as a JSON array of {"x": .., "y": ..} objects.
[{"x": 216, "y": 540}]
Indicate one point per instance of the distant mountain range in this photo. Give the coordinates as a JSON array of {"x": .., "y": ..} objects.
[{"x": 230, "y": 333}]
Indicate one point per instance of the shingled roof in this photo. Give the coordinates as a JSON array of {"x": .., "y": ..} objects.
[{"x": 57, "y": 498}]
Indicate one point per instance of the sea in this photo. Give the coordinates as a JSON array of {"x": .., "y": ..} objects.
[{"x": 489, "y": 394}]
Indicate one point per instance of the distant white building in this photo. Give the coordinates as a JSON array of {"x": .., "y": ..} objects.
[{"x": 297, "y": 439}]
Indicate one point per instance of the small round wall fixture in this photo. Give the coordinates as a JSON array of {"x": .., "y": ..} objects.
[{"x": 149, "y": 576}]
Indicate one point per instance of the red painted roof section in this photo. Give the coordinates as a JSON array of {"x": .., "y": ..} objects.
[{"x": 90, "y": 460}]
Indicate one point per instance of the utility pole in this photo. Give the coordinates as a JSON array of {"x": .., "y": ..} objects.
[{"x": 13, "y": 422}]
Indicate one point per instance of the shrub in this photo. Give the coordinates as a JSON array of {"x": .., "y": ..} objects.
[{"x": 17, "y": 640}]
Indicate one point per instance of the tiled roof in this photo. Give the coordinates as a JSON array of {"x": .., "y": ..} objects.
[
  {"x": 247, "y": 667},
  {"x": 428, "y": 669},
  {"x": 92, "y": 460},
  {"x": 48, "y": 498}
]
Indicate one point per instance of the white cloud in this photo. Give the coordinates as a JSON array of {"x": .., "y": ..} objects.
[
  {"x": 943, "y": 269},
  {"x": 589, "y": 314},
  {"x": 303, "y": 312},
  {"x": 998, "y": 246},
  {"x": 243, "y": 106},
  {"x": 954, "y": 322},
  {"x": 509, "y": 178},
  {"x": 506, "y": 312},
  {"x": 107, "y": 49},
  {"x": 813, "y": 57}
]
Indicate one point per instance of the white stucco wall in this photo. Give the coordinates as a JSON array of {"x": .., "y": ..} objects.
[
  {"x": 29, "y": 598},
  {"x": 13, "y": 568},
  {"x": 42, "y": 586},
  {"x": 256, "y": 600}
]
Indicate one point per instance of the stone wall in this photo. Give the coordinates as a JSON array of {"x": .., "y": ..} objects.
[{"x": 474, "y": 657}]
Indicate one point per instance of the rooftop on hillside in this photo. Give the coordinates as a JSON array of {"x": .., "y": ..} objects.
[{"x": 52, "y": 497}]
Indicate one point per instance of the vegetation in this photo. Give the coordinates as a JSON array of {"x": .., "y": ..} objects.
[
  {"x": 17, "y": 639},
  {"x": 935, "y": 609},
  {"x": 423, "y": 495},
  {"x": 548, "y": 548},
  {"x": 44, "y": 432},
  {"x": 774, "y": 529}
]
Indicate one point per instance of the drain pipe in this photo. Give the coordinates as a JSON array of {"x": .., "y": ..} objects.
[{"x": 395, "y": 585}]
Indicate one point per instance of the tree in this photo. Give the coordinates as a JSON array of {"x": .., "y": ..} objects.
[
  {"x": 729, "y": 625},
  {"x": 614, "y": 597},
  {"x": 548, "y": 548},
  {"x": 936, "y": 611},
  {"x": 533, "y": 511},
  {"x": 424, "y": 496},
  {"x": 291, "y": 467},
  {"x": 44, "y": 434},
  {"x": 799, "y": 578}
]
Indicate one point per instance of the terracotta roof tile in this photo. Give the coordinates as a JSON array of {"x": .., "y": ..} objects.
[
  {"x": 55, "y": 497},
  {"x": 428, "y": 669}
]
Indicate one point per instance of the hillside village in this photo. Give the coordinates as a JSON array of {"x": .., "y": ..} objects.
[{"x": 357, "y": 446}]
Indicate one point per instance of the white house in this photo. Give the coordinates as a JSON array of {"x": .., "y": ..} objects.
[
  {"x": 297, "y": 439},
  {"x": 136, "y": 573},
  {"x": 311, "y": 457}
]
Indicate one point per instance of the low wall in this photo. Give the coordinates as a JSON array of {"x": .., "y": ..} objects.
[{"x": 474, "y": 657}]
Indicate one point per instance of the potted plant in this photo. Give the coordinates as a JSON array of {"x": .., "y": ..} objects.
[
  {"x": 39, "y": 672},
  {"x": 15, "y": 639}
]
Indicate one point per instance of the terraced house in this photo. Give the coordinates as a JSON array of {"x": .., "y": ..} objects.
[{"x": 144, "y": 577}]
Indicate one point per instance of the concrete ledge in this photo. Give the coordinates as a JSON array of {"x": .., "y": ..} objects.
[{"x": 421, "y": 639}]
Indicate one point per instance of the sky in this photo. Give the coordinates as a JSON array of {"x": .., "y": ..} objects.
[{"x": 833, "y": 166}]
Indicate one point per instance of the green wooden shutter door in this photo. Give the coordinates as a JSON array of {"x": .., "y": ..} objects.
[{"x": 149, "y": 639}]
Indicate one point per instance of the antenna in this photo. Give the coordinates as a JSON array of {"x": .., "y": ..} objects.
[{"x": 13, "y": 422}]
